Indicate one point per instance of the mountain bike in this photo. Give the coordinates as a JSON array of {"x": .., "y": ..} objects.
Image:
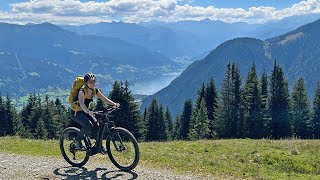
[{"x": 122, "y": 146}]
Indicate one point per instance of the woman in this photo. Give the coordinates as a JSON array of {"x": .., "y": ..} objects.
[{"x": 84, "y": 116}]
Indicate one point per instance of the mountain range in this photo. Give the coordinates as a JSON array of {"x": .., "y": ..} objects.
[
  {"x": 189, "y": 38},
  {"x": 47, "y": 55},
  {"x": 169, "y": 42},
  {"x": 296, "y": 51},
  {"x": 38, "y": 57}
]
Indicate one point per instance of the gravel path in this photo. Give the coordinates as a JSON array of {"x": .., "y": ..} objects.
[{"x": 14, "y": 166}]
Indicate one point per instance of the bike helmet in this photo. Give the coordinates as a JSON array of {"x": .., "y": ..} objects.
[{"x": 89, "y": 76}]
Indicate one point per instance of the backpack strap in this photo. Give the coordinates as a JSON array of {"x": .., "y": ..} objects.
[{"x": 85, "y": 91}]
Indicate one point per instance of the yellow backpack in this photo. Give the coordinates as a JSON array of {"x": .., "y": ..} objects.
[{"x": 73, "y": 97}]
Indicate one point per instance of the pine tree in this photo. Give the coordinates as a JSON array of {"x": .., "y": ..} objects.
[
  {"x": 202, "y": 121},
  {"x": 152, "y": 121},
  {"x": 36, "y": 113},
  {"x": 41, "y": 132},
  {"x": 47, "y": 118},
  {"x": 252, "y": 103},
  {"x": 68, "y": 121},
  {"x": 193, "y": 121},
  {"x": 143, "y": 126},
  {"x": 3, "y": 118},
  {"x": 134, "y": 113},
  {"x": 59, "y": 106},
  {"x": 10, "y": 122},
  {"x": 201, "y": 94},
  {"x": 26, "y": 114},
  {"x": 61, "y": 115},
  {"x": 169, "y": 123},
  {"x": 200, "y": 127},
  {"x": 237, "y": 123},
  {"x": 185, "y": 119},
  {"x": 116, "y": 95},
  {"x": 177, "y": 128},
  {"x": 230, "y": 121},
  {"x": 279, "y": 104},
  {"x": 18, "y": 127},
  {"x": 211, "y": 98},
  {"x": 316, "y": 113},
  {"x": 145, "y": 115},
  {"x": 163, "y": 132},
  {"x": 9, "y": 115},
  {"x": 301, "y": 110},
  {"x": 156, "y": 124},
  {"x": 264, "y": 104},
  {"x": 129, "y": 115},
  {"x": 224, "y": 111},
  {"x": 50, "y": 115},
  {"x": 27, "y": 110}
]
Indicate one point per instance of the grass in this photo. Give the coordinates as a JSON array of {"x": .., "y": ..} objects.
[{"x": 245, "y": 158}]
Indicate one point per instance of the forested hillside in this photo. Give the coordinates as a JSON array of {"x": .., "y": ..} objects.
[
  {"x": 296, "y": 51},
  {"x": 259, "y": 107}
]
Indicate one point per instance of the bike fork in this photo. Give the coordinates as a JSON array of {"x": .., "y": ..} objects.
[{"x": 121, "y": 147}]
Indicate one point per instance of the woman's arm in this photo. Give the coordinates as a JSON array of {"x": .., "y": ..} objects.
[{"x": 107, "y": 100}]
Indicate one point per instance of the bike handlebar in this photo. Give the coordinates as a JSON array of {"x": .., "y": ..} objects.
[{"x": 109, "y": 110}]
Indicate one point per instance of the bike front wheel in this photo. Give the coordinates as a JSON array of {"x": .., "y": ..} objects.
[
  {"x": 122, "y": 148},
  {"x": 75, "y": 157}
]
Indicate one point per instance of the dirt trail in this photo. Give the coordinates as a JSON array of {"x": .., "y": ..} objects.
[{"x": 14, "y": 166}]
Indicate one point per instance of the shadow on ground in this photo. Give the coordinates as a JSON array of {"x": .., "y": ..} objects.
[{"x": 98, "y": 173}]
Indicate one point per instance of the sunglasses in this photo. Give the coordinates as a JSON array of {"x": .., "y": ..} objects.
[{"x": 91, "y": 82}]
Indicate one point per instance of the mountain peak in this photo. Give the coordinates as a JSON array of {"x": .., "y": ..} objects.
[
  {"x": 206, "y": 20},
  {"x": 46, "y": 26}
]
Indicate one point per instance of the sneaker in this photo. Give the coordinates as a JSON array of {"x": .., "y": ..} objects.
[{"x": 78, "y": 144}]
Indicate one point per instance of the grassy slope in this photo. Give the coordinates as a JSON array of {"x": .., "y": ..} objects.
[{"x": 267, "y": 159}]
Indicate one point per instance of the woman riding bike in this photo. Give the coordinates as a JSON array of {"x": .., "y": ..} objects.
[{"x": 82, "y": 114}]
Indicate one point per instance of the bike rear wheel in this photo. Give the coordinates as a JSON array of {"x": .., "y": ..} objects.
[
  {"x": 75, "y": 157},
  {"x": 122, "y": 148}
]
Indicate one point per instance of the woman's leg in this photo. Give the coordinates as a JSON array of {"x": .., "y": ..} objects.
[{"x": 84, "y": 121}]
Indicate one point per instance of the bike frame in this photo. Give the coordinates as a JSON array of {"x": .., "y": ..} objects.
[{"x": 102, "y": 129}]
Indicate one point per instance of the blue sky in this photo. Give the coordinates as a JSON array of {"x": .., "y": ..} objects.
[
  {"x": 4, "y": 4},
  {"x": 93, "y": 11}
]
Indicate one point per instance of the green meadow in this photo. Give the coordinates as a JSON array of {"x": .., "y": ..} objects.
[{"x": 235, "y": 158}]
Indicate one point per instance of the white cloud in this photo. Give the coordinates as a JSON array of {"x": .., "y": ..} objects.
[
  {"x": 77, "y": 12},
  {"x": 24, "y": 18}
]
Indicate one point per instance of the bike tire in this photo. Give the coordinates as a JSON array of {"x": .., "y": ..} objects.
[
  {"x": 64, "y": 142},
  {"x": 111, "y": 153}
]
